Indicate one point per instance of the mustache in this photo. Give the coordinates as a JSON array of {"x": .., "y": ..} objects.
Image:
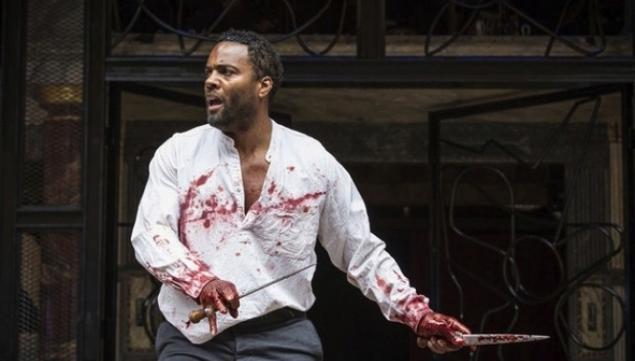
[{"x": 214, "y": 97}]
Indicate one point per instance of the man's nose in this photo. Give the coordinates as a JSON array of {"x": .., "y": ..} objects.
[{"x": 211, "y": 82}]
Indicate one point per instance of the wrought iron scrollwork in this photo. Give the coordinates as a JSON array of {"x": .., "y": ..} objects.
[
  {"x": 144, "y": 9},
  {"x": 475, "y": 8},
  {"x": 514, "y": 293},
  {"x": 596, "y": 43}
]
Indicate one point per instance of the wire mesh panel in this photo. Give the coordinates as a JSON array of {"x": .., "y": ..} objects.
[
  {"x": 48, "y": 296},
  {"x": 53, "y": 103}
]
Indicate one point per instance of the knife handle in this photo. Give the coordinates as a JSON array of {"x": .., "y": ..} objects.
[{"x": 197, "y": 315}]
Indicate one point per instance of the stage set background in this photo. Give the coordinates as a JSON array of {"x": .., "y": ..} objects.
[{"x": 491, "y": 140}]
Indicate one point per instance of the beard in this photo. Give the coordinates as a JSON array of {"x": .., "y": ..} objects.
[{"x": 237, "y": 113}]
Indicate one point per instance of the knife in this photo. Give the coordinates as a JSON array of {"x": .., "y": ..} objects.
[
  {"x": 197, "y": 315},
  {"x": 480, "y": 339}
]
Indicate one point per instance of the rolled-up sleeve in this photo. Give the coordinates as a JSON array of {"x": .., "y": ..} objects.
[
  {"x": 155, "y": 234},
  {"x": 345, "y": 234}
]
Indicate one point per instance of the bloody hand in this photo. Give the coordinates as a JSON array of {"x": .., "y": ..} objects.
[
  {"x": 220, "y": 296},
  {"x": 441, "y": 333}
]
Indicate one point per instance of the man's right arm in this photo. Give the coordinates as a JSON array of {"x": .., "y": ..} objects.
[{"x": 155, "y": 234}]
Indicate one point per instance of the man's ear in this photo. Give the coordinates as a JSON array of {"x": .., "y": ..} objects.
[{"x": 266, "y": 84}]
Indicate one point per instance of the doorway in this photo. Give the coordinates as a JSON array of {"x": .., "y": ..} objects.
[{"x": 437, "y": 179}]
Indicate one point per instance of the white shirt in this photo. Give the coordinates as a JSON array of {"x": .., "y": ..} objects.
[{"x": 191, "y": 226}]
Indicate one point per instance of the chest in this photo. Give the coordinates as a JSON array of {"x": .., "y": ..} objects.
[{"x": 254, "y": 172}]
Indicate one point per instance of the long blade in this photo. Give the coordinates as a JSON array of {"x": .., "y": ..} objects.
[
  {"x": 197, "y": 315},
  {"x": 479, "y": 339},
  {"x": 263, "y": 286}
]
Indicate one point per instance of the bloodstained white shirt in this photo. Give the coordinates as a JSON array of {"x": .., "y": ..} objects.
[{"x": 191, "y": 226}]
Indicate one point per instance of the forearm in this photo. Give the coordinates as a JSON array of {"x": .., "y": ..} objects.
[
  {"x": 159, "y": 251},
  {"x": 379, "y": 277}
]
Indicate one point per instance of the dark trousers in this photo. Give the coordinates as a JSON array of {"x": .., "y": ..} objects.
[{"x": 283, "y": 335}]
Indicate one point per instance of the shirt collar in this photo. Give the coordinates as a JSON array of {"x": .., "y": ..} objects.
[{"x": 273, "y": 143}]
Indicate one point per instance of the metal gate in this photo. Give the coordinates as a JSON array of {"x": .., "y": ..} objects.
[
  {"x": 528, "y": 222},
  {"x": 53, "y": 183}
]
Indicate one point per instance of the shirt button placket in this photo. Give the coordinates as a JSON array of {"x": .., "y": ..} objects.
[
  {"x": 236, "y": 180},
  {"x": 236, "y": 177},
  {"x": 235, "y": 172}
]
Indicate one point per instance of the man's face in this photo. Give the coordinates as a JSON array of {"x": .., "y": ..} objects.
[{"x": 231, "y": 87}]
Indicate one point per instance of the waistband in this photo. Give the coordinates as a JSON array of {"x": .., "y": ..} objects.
[{"x": 272, "y": 319}]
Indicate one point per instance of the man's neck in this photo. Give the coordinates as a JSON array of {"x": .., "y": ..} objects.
[{"x": 254, "y": 139}]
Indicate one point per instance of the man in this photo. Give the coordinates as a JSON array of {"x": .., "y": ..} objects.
[{"x": 237, "y": 204}]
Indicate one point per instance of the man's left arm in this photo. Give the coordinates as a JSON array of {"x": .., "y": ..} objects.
[{"x": 345, "y": 234}]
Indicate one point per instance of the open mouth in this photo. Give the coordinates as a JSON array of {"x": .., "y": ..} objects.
[{"x": 214, "y": 103}]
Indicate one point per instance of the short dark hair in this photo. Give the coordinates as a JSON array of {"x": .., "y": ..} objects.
[{"x": 264, "y": 58}]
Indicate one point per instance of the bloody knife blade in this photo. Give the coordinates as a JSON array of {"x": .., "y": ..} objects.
[
  {"x": 197, "y": 315},
  {"x": 480, "y": 339}
]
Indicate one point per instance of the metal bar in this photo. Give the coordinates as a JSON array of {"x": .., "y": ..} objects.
[
  {"x": 12, "y": 102},
  {"x": 49, "y": 217},
  {"x": 434, "y": 160},
  {"x": 631, "y": 25},
  {"x": 167, "y": 94},
  {"x": 534, "y": 100},
  {"x": 396, "y": 71},
  {"x": 628, "y": 147},
  {"x": 112, "y": 231},
  {"x": 371, "y": 29},
  {"x": 94, "y": 181}
]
